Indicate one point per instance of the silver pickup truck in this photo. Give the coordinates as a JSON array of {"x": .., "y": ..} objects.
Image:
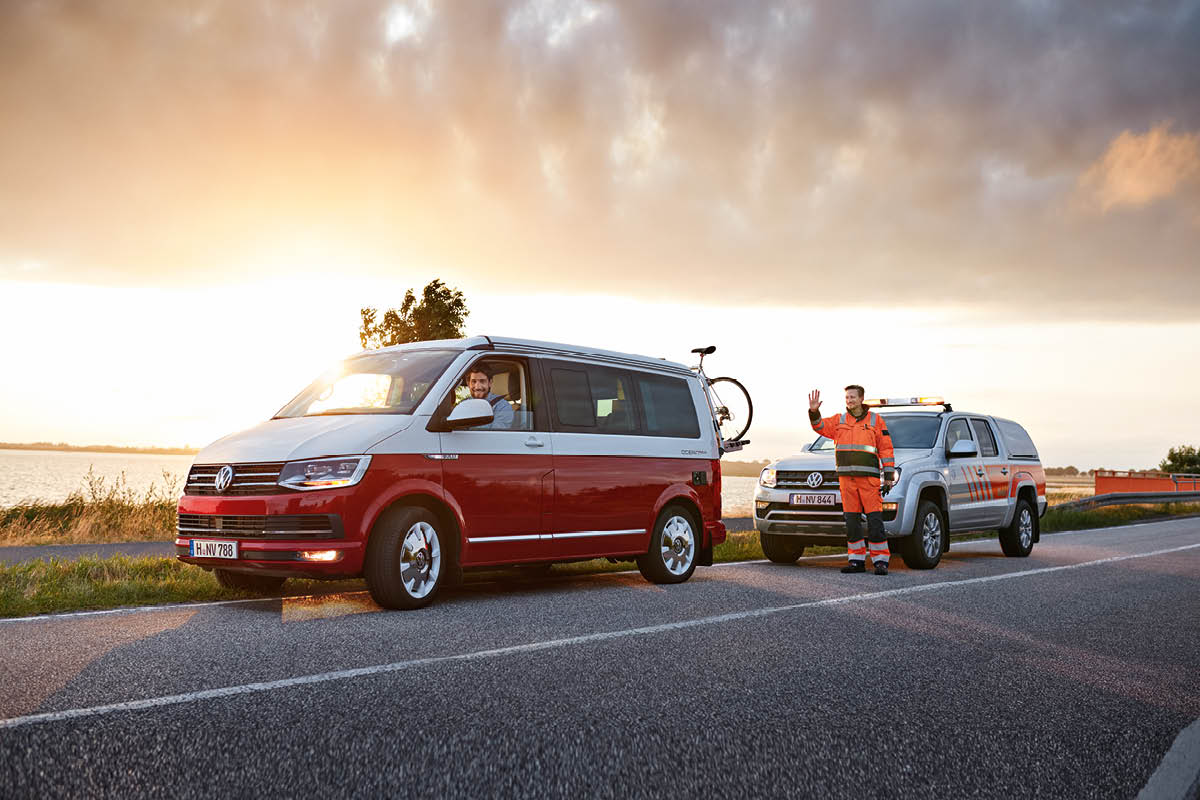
[{"x": 958, "y": 472}]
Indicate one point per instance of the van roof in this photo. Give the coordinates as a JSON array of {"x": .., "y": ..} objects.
[{"x": 533, "y": 346}]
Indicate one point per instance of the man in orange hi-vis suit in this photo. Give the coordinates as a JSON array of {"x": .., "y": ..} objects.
[{"x": 864, "y": 446}]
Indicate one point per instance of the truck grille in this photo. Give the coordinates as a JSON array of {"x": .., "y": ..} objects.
[
  {"x": 797, "y": 479},
  {"x": 262, "y": 526},
  {"x": 247, "y": 479}
]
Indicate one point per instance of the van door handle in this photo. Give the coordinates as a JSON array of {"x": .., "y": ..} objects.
[
  {"x": 979, "y": 472},
  {"x": 1004, "y": 470},
  {"x": 533, "y": 441}
]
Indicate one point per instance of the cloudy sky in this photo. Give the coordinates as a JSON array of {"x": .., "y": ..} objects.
[{"x": 999, "y": 199}]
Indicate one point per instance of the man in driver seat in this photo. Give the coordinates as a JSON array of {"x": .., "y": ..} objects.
[{"x": 479, "y": 381}]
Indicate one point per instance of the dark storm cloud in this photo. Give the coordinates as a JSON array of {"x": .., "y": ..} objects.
[{"x": 938, "y": 152}]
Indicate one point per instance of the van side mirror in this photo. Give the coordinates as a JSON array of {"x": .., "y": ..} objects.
[
  {"x": 469, "y": 413},
  {"x": 963, "y": 448}
]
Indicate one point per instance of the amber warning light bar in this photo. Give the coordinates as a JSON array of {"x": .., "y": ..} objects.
[{"x": 887, "y": 402}]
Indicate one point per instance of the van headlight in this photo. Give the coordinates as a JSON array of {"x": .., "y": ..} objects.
[
  {"x": 324, "y": 473},
  {"x": 767, "y": 478}
]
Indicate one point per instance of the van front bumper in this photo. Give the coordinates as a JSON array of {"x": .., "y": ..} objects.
[
  {"x": 315, "y": 535},
  {"x": 774, "y": 513}
]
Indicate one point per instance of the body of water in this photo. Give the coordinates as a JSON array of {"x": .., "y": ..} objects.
[{"x": 51, "y": 475}]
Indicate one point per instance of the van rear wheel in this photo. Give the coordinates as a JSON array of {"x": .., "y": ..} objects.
[
  {"x": 1017, "y": 539},
  {"x": 247, "y": 582},
  {"x": 404, "y": 565},
  {"x": 674, "y": 545},
  {"x": 781, "y": 549}
]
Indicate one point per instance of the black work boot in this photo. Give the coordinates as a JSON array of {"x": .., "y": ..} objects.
[
  {"x": 854, "y": 566},
  {"x": 881, "y": 568}
]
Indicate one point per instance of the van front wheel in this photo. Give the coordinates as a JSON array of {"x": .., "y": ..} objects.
[
  {"x": 781, "y": 549},
  {"x": 404, "y": 566},
  {"x": 674, "y": 545},
  {"x": 922, "y": 549}
]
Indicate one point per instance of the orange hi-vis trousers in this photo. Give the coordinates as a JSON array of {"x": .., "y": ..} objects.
[{"x": 861, "y": 495}]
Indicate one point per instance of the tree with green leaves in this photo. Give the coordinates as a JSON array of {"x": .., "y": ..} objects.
[
  {"x": 440, "y": 315},
  {"x": 1184, "y": 458}
]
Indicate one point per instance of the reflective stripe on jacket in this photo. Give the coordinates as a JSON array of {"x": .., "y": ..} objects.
[{"x": 863, "y": 446}]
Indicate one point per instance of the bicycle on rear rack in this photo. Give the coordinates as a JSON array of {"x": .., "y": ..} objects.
[{"x": 728, "y": 402}]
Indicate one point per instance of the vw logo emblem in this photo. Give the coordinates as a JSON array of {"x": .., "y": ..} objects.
[
  {"x": 814, "y": 479},
  {"x": 223, "y": 479}
]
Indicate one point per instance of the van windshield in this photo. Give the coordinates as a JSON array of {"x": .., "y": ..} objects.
[
  {"x": 908, "y": 433},
  {"x": 375, "y": 383}
]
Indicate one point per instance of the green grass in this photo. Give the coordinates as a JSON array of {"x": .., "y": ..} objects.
[{"x": 43, "y": 587}]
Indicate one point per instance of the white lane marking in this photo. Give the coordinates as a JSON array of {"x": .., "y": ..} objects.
[
  {"x": 177, "y": 606},
  {"x": 533, "y": 647}
]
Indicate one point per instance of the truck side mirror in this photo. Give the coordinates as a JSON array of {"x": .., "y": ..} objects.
[
  {"x": 963, "y": 448},
  {"x": 469, "y": 413}
]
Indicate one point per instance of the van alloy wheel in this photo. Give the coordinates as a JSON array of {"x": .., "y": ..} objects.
[
  {"x": 923, "y": 547},
  {"x": 931, "y": 535},
  {"x": 1017, "y": 539},
  {"x": 420, "y": 559},
  {"x": 1026, "y": 527},
  {"x": 678, "y": 545}
]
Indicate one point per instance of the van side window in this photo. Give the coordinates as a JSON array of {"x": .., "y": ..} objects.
[
  {"x": 573, "y": 397},
  {"x": 592, "y": 399},
  {"x": 987, "y": 442},
  {"x": 510, "y": 394},
  {"x": 956, "y": 431},
  {"x": 667, "y": 406}
]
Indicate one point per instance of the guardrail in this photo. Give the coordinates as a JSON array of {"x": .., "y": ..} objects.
[{"x": 1126, "y": 498}]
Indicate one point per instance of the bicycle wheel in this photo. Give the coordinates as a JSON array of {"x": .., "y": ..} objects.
[{"x": 733, "y": 408}]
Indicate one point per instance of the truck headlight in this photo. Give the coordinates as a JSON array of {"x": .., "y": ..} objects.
[
  {"x": 324, "y": 473},
  {"x": 767, "y": 478}
]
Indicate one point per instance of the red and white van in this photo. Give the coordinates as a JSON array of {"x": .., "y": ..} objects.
[{"x": 381, "y": 469}]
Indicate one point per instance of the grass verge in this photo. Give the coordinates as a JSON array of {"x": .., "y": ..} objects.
[
  {"x": 99, "y": 511},
  {"x": 44, "y": 587},
  {"x": 1064, "y": 520}
]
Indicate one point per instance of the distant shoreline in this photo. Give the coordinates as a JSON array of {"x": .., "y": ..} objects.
[{"x": 98, "y": 448}]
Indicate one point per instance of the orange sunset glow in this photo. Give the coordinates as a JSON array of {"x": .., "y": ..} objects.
[{"x": 998, "y": 203}]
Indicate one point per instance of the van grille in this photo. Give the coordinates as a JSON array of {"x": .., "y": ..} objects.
[
  {"x": 247, "y": 479},
  {"x": 797, "y": 479},
  {"x": 262, "y": 526}
]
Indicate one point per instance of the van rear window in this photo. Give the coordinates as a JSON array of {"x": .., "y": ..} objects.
[
  {"x": 667, "y": 407},
  {"x": 1016, "y": 440}
]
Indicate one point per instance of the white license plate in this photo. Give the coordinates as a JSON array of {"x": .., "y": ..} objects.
[
  {"x": 209, "y": 548},
  {"x": 814, "y": 499}
]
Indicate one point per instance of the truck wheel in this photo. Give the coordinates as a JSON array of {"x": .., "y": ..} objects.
[
  {"x": 674, "y": 546},
  {"x": 922, "y": 549},
  {"x": 246, "y": 582},
  {"x": 781, "y": 549},
  {"x": 404, "y": 564},
  {"x": 1017, "y": 539}
]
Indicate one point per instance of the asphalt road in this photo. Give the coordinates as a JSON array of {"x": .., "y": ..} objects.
[{"x": 1053, "y": 675}]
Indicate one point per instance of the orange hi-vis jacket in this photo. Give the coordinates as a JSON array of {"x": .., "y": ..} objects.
[{"x": 864, "y": 445}]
